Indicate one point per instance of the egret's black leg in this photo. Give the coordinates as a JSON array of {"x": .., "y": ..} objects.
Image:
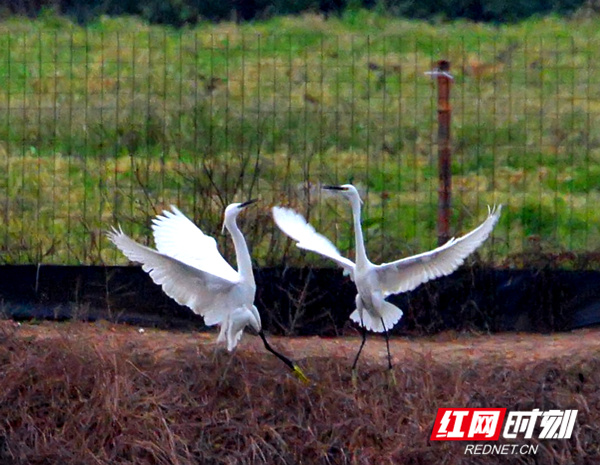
[
  {"x": 281, "y": 357},
  {"x": 292, "y": 366},
  {"x": 364, "y": 339},
  {"x": 392, "y": 377},
  {"x": 387, "y": 343}
]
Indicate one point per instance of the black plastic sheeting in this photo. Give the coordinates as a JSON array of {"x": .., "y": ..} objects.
[{"x": 306, "y": 301}]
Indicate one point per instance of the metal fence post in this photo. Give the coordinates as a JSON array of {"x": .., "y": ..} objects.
[{"x": 444, "y": 81}]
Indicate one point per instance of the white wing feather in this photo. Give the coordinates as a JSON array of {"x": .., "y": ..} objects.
[
  {"x": 406, "y": 274},
  {"x": 206, "y": 294},
  {"x": 294, "y": 225},
  {"x": 178, "y": 237}
]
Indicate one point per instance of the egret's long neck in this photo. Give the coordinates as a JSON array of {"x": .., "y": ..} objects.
[
  {"x": 361, "y": 253},
  {"x": 244, "y": 262}
]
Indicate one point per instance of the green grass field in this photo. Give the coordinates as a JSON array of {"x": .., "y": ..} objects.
[{"x": 112, "y": 122}]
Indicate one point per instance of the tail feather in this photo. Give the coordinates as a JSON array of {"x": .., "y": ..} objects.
[{"x": 390, "y": 316}]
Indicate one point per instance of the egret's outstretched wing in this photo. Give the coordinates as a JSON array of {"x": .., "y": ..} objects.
[
  {"x": 408, "y": 273},
  {"x": 295, "y": 226},
  {"x": 203, "y": 292},
  {"x": 177, "y": 237}
]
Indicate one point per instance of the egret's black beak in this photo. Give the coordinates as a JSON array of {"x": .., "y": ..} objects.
[
  {"x": 291, "y": 365},
  {"x": 335, "y": 188},
  {"x": 249, "y": 202}
]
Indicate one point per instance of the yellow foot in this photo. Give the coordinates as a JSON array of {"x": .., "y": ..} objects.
[
  {"x": 298, "y": 373},
  {"x": 354, "y": 378},
  {"x": 391, "y": 377}
]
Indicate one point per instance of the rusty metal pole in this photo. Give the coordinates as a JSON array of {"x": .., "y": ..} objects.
[{"x": 444, "y": 81}]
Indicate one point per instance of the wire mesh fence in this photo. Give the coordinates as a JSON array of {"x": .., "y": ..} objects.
[{"x": 101, "y": 127}]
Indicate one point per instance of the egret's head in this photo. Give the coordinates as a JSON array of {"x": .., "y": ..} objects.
[
  {"x": 347, "y": 191},
  {"x": 233, "y": 210}
]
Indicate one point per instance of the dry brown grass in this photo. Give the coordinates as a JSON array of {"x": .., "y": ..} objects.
[{"x": 76, "y": 393}]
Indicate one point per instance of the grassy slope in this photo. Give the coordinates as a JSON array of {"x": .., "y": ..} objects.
[
  {"x": 113, "y": 122},
  {"x": 80, "y": 393}
]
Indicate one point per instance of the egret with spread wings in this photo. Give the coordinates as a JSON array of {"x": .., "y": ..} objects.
[
  {"x": 375, "y": 282},
  {"x": 191, "y": 271}
]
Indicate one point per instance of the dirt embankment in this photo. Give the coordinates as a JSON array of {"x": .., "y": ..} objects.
[{"x": 76, "y": 393}]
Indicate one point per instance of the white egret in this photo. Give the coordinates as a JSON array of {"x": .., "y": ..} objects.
[
  {"x": 375, "y": 282},
  {"x": 190, "y": 269}
]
